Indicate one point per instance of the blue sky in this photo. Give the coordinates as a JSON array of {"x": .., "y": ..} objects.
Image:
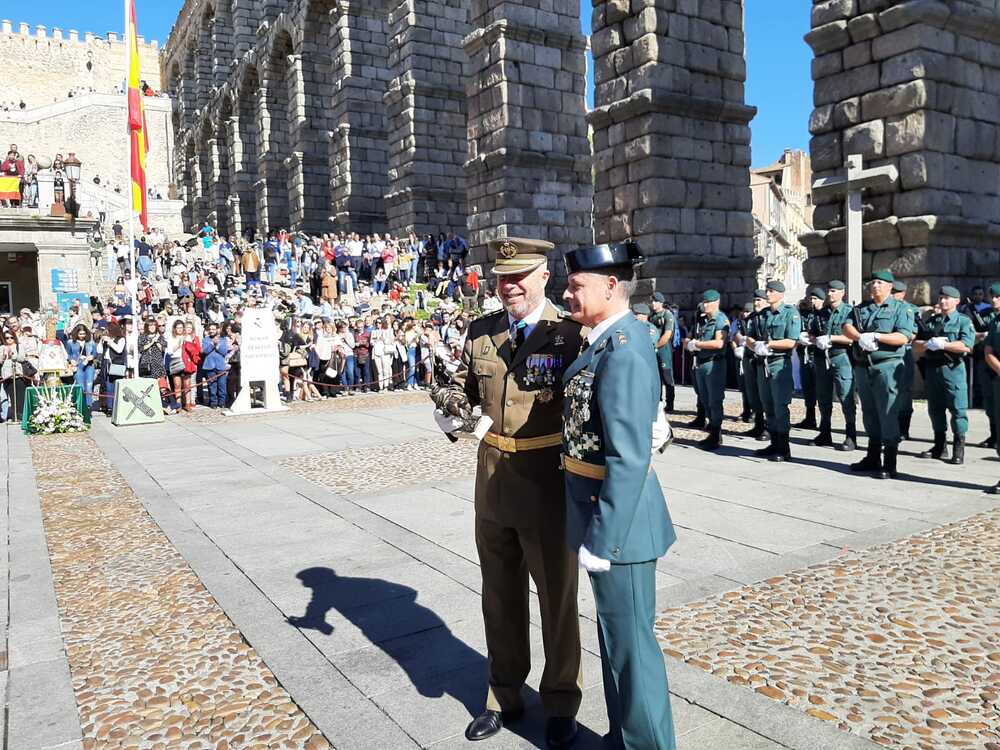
[{"x": 778, "y": 61}]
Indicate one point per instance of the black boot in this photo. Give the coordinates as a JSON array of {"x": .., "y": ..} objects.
[
  {"x": 940, "y": 448},
  {"x": 699, "y": 420},
  {"x": 851, "y": 440},
  {"x": 991, "y": 441},
  {"x": 671, "y": 391},
  {"x": 904, "y": 425},
  {"x": 772, "y": 448},
  {"x": 809, "y": 423},
  {"x": 957, "y": 451},
  {"x": 758, "y": 426},
  {"x": 825, "y": 436},
  {"x": 784, "y": 451},
  {"x": 872, "y": 461},
  {"x": 889, "y": 462},
  {"x": 713, "y": 441}
]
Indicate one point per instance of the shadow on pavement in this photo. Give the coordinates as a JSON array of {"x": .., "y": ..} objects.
[{"x": 347, "y": 595}]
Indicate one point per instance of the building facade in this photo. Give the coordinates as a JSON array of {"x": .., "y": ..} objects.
[{"x": 782, "y": 213}]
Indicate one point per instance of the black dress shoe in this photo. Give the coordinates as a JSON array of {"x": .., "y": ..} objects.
[
  {"x": 488, "y": 723},
  {"x": 560, "y": 731}
]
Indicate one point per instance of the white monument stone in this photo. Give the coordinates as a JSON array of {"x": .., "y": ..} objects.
[{"x": 259, "y": 363}]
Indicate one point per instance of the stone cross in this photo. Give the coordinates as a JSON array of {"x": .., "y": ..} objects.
[{"x": 851, "y": 186}]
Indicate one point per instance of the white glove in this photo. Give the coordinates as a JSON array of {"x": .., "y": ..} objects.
[
  {"x": 447, "y": 423},
  {"x": 804, "y": 338},
  {"x": 824, "y": 342},
  {"x": 937, "y": 343},
  {"x": 868, "y": 342},
  {"x": 592, "y": 563},
  {"x": 692, "y": 345},
  {"x": 739, "y": 351},
  {"x": 663, "y": 434},
  {"x": 761, "y": 349}
]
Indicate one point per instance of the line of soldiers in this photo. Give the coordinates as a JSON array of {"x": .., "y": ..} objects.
[{"x": 867, "y": 353}]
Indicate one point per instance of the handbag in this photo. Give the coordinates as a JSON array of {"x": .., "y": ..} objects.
[
  {"x": 176, "y": 366},
  {"x": 297, "y": 359},
  {"x": 116, "y": 371},
  {"x": 28, "y": 370}
]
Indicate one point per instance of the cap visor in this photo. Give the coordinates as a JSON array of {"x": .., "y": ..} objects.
[{"x": 511, "y": 270}]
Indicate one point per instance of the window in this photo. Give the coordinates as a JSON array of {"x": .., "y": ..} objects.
[{"x": 6, "y": 303}]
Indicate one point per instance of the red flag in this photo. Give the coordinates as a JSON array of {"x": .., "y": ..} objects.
[{"x": 138, "y": 138}]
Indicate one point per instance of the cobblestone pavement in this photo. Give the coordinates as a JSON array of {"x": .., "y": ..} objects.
[
  {"x": 900, "y": 643},
  {"x": 361, "y": 402},
  {"x": 373, "y": 469},
  {"x": 155, "y": 662},
  {"x": 731, "y": 425}
]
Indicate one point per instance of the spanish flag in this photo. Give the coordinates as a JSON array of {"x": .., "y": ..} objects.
[{"x": 138, "y": 138}]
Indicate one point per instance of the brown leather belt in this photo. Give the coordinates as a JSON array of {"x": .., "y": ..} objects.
[
  {"x": 517, "y": 445},
  {"x": 582, "y": 468}
]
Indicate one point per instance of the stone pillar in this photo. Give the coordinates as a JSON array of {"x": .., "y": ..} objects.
[
  {"x": 915, "y": 84},
  {"x": 358, "y": 154},
  {"x": 672, "y": 142},
  {"x": 194, "y": 191},
  {"x": 272, "y": 185},
  {"x": 222, "y": 44},
  {"x": 529, "y": 167},
  {"x": 246, "y": 159},
  {"x": 427, "y": 118},
  {"x": 245, "y": 21},
  {"x": 187, "y": 90}
]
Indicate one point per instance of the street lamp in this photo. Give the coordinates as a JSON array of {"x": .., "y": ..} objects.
[{"x": 72, "y": 166}]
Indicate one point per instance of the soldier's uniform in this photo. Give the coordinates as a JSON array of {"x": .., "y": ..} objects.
[
  {"x": 664, "y": 321},
  {"x": 877, "y": 376},
  {"x": 992, "y": 345},
  {"x": 710, "y": 367},
  {"x": 905, "y": 397},
  {"x": 520, "y": 511},
  {"x": 807, "y": 360},
  {"x": 834, "y": 373},
  {"x": 752, "y": 365},
  {"x": 617, "y": 511},
  {"x": 946, "y": 381},
  {"x": 990, "y": 401},
  {"x": 774, "y": 378}
]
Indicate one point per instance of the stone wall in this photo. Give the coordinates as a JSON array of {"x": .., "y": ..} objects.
[
  {"x": 41, "y": 66},
  {"x": 672, "y": 142},
  {"x": 915, "y": 84}
]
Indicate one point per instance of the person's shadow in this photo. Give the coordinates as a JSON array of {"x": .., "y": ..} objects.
[{"x": 376, "y": 607}]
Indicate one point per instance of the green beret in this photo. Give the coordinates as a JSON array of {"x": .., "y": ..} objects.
[
  {"x": 884, "y": 275},
  {"x": 760, "y": 294},
  {"x": 899, "y": 286},
  {"x": 837, "y": 284},
  {"x": 748, "y": 307},
  {"x": 817, "y": 292},
  {"x": 995, "y": 290},
  {"x": 949, "y": 291},
  {"x": 775, "y": 286},
  {"x": 711, "y": 295},
  {"x": 658, "y": 297},
  {"x": 640, "y": 308}
]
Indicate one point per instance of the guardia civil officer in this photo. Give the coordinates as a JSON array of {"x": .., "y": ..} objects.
[
  {"x": 512, "y": 366},
  {"x": 664, "y": 321},
  {"x": 707, "y": 345},
  {"x": 751, "y": 362},
  {"x": 812, "y": 304},
  {"x": 880, "y": 329},
  {"x": 992, "y": 354},
  {"x": 780, "y": 327},
  {"x": 617, "y": 516},
  {"x": 944, "y": 344},
  {"x": 834, "y": 372},
  {"x": 909, "y": 367},
  {"x": 992, "y": 319}
]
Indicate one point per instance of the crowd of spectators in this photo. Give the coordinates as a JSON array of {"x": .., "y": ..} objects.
[{"x": 355, "y": 314}]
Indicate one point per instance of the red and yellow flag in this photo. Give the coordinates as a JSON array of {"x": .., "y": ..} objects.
[{"x": 138, "y": 137}]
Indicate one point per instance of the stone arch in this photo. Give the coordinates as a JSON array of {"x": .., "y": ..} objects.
[
  {"x": 222, "y": 42},
  {"x": 247, "y": 149},
  {"x": 203, "y": 57},
  {"x": 245, "y": 19},
  {"x": 277, "y": 117},
  {"x": 187, "y": 90}
]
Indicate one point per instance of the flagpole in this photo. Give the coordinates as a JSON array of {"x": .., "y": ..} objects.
[{"x": 133, "y": 351}]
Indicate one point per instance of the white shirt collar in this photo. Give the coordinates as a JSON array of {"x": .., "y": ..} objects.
[
  {"x": 530, "y": 320},
  {"x": 598, "y": 330}
]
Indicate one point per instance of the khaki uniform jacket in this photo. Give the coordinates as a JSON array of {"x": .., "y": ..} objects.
[{"x": 523, "y": 393}]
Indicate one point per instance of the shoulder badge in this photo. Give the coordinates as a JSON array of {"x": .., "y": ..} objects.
[{"x": 622, "y": 338}]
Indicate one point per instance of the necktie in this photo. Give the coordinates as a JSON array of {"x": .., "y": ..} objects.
[{"x": 517, "y": 329}]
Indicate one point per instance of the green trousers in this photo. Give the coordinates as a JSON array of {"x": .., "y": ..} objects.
[
  {"x": 635, "y": 678},
  {"x": 835, "y": 380},
  {"x": 905, "y": 396},
  {"x": 948, "y": 393},
  {"x": 775, "y": 384},
  {"x": 995, "y": 390},
  {"x": 878, "y": 387},
  {"x": 750, "y": 367},
  {"x": 990, "y": 404},
  {"x": 710, "y": 382},
  {"x": 808, "y": 378}
]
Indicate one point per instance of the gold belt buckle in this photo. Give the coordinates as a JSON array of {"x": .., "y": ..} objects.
[{"x": 506, "y": 444}]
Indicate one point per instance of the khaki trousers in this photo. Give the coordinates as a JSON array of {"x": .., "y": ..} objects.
[{"x": 507, "y": 556}]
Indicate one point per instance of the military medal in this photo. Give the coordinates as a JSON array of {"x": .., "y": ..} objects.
[{"x": 559, "y": 340}]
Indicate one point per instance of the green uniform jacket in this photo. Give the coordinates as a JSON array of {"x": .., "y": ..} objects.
[
  {"x": 705, "y": 330},
  {"x": 612, "y": 397},
  {"x": 830, "y": 322},
  {"x": 664, "y": 321},
  {"x": 892, "y": 316},
  {"x": 780, "y": 324},
  {"x": 954, "y": 327}
]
